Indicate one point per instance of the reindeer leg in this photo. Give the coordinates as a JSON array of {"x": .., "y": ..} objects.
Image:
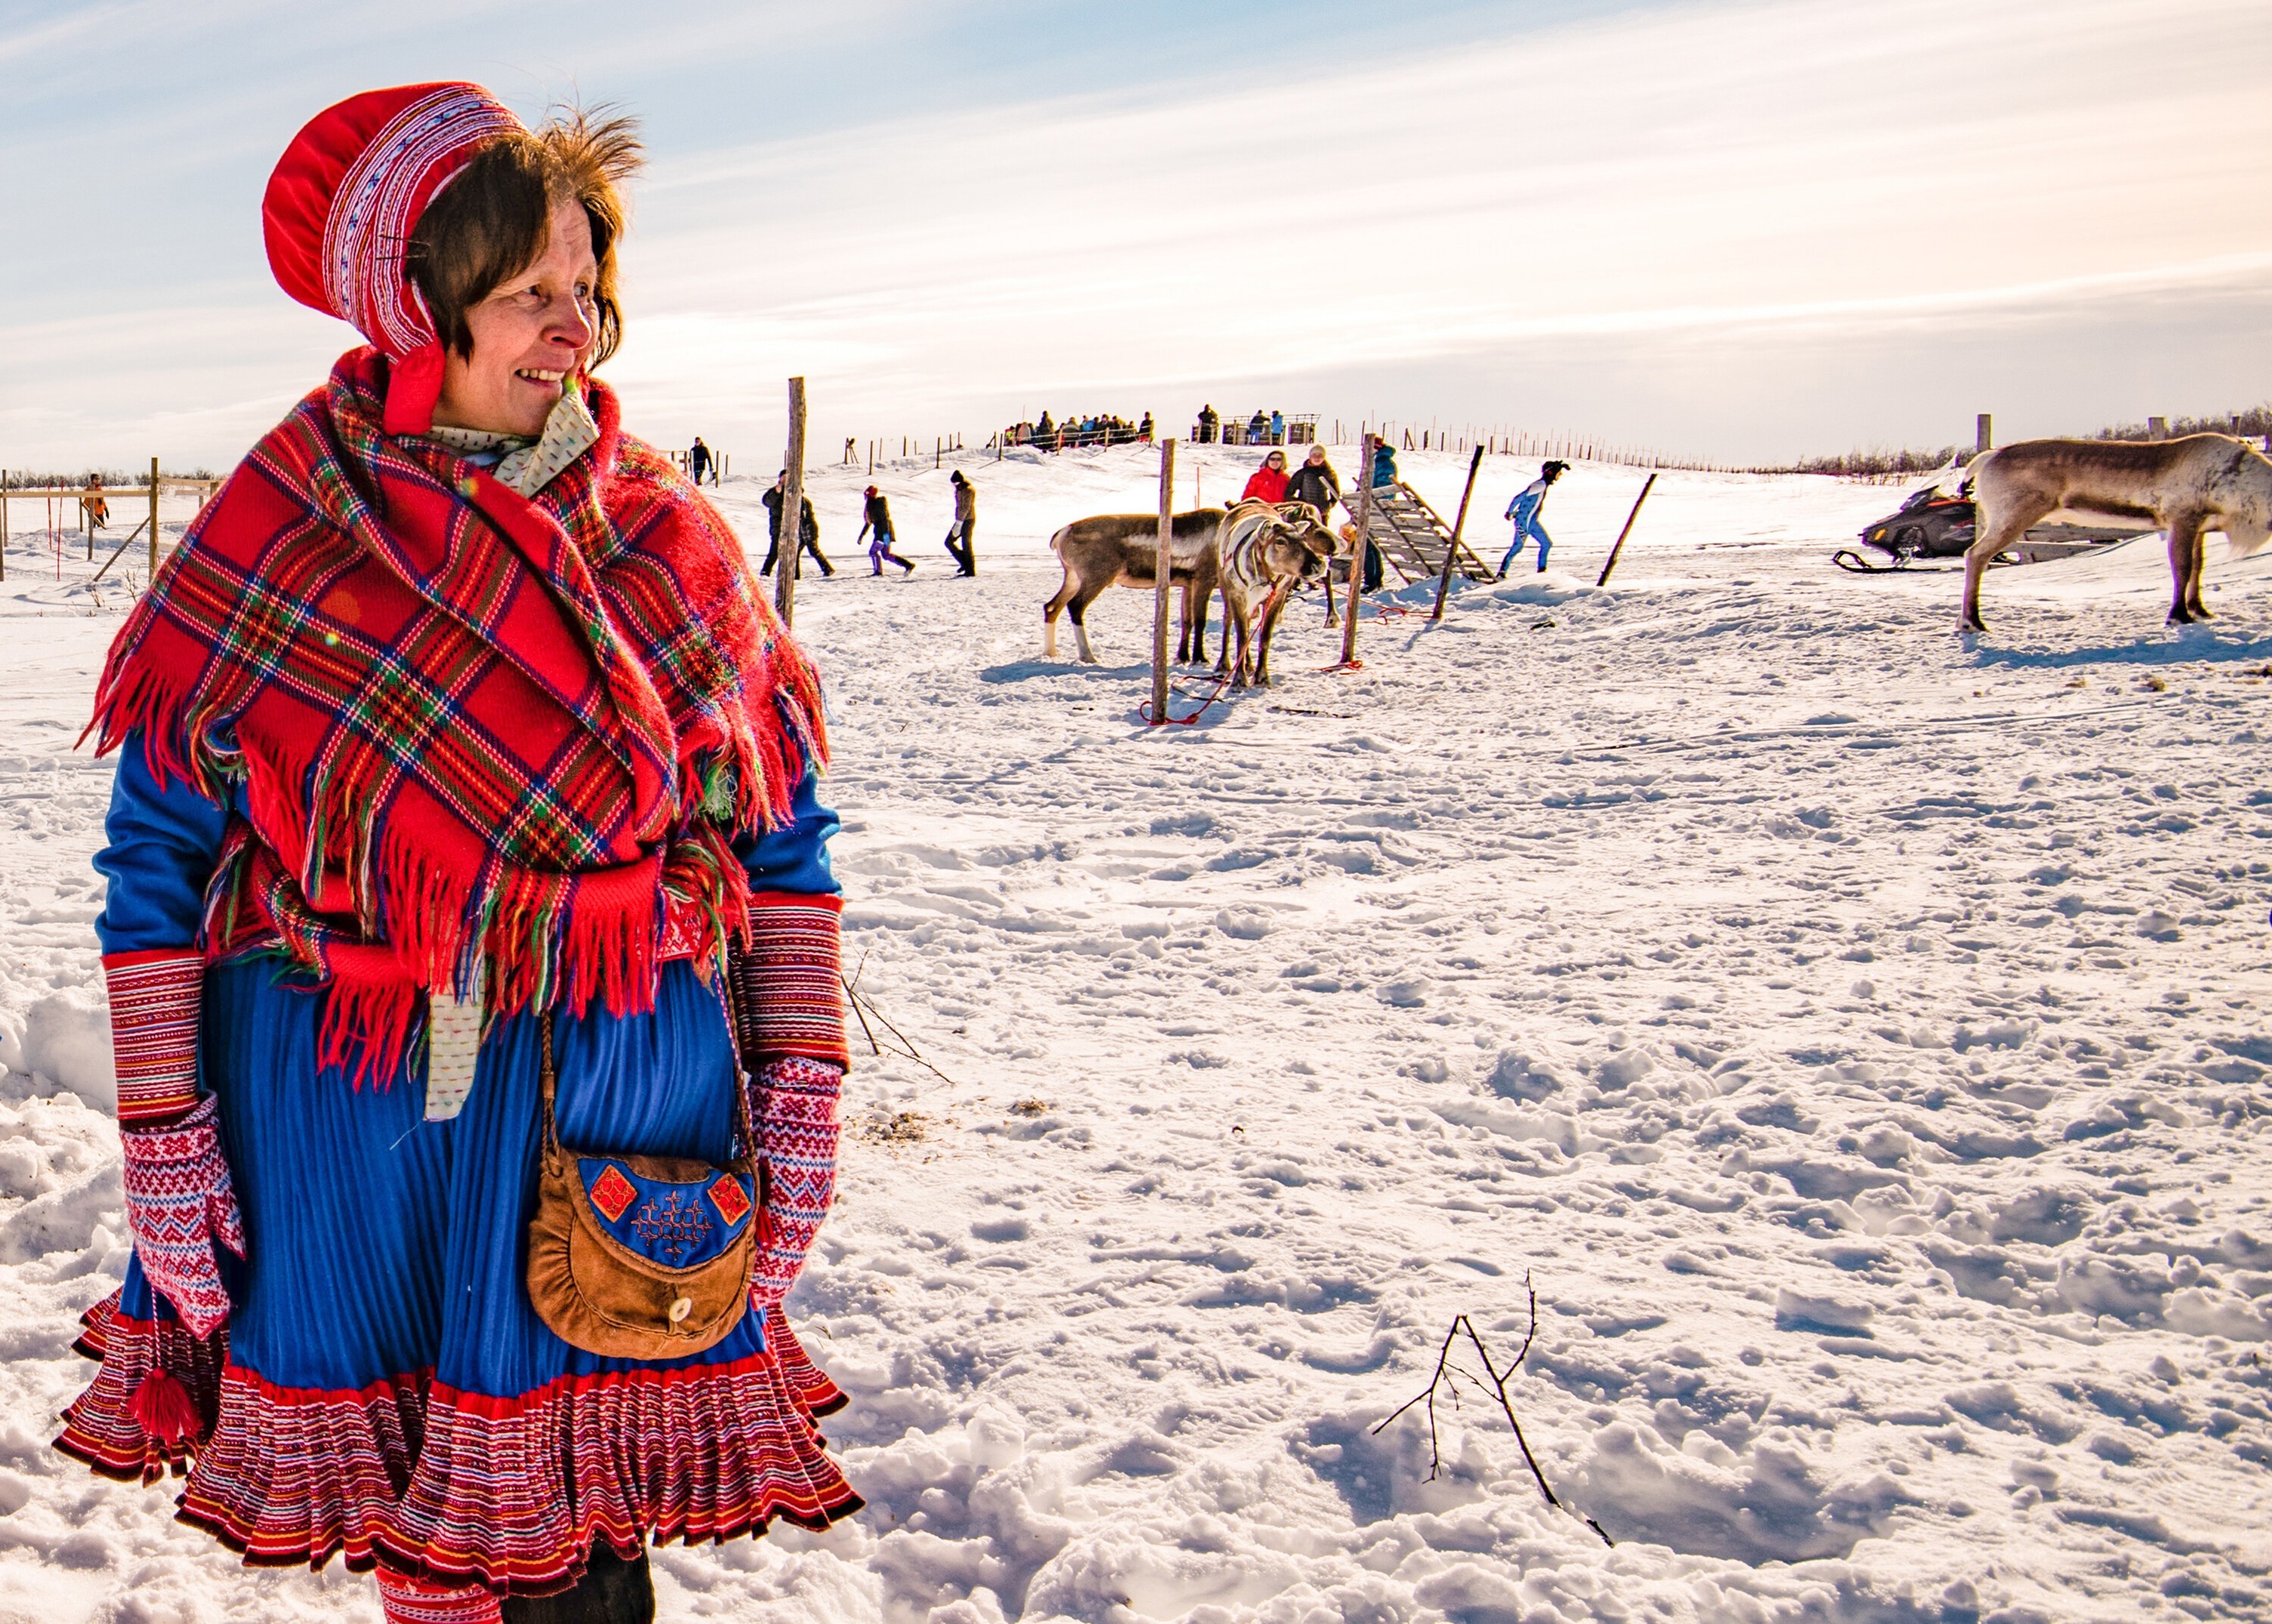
[
  {"x": 2187, "y": 548},
  {"x": 1079, "y": 610},
  {"x": 1994, "y": 537},
  {"x": 1050, "y": 612},
  {"x": 1273, "y": 606}
]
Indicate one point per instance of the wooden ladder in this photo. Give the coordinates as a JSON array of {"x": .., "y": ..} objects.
[{"x": 1412, "y": 538}]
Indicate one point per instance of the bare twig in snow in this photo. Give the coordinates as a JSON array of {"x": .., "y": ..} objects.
[
  {"x": 1447, "y": 1375},
  {"x": 863, "y": 1008}
]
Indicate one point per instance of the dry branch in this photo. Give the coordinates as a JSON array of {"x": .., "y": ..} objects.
[
  {"x": 1447, "y": 1375},
  {"x": 862, "y": 1007}
]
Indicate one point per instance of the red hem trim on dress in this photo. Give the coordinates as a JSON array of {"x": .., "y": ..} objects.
[
  {"x": 99, "y": 1430},
  {"x": 511, "y": 1493}
]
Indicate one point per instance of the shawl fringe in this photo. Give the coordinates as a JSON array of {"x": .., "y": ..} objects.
[{"x": 389, "y": 874}]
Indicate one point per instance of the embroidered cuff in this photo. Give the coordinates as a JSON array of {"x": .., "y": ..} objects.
[
  {"x": 789, "y": 987},
  {"x": 155, "y": 999}
]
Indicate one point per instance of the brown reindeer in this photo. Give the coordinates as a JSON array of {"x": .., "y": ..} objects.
[
  {"x": 1120, "y": 549},
  {"x": 1264, "y": 552},
  {"x": 2185, "y": 487}
]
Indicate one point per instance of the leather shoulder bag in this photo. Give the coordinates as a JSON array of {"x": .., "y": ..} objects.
[{"x": 644, "y": 1257}]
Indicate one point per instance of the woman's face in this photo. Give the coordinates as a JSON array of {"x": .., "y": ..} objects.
[
  {"x": 529, "y": 337},
  {"x": 1277, "y": 459}
]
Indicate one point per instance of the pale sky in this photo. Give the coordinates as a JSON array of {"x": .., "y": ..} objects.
[{"x": 1732, "y": 229}]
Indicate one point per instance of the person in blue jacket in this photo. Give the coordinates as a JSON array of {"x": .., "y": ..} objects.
[{"x": 1524, "y": 511}]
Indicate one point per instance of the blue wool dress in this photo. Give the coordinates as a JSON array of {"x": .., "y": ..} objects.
[{"x": 383, "y": 1384}]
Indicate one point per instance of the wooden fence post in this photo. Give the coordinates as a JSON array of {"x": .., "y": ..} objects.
[
  {"x": 791, "y": 546},
  {"x": 1444, "y": 581},
  {"x": 153, "y": 519},
  {"x": 1364, "y": 540},
  {"x": 1163, "y": 567},
  {"x": 1984, "y": 433},
  {"x": 1647, "y": 486},
  {"x": 4, "y": 524}
]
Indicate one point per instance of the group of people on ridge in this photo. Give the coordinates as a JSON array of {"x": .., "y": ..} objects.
[
  {"x": 1098, "y": 428},
  {"x": 876, "y": 528},
  {"x": 1263, "y": 428}
]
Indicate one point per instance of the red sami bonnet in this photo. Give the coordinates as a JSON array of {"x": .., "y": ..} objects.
[{"x": 340, "y": 208}]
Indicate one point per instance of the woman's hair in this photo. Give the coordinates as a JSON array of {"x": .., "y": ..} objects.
[{"x": 496, "y": 215}]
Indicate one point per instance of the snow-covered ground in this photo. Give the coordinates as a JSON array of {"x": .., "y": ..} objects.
[{"x": 1855, "y": 1035}]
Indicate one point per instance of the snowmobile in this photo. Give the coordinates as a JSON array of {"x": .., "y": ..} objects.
[
  {"x": 1931, "y": 524},
  {"x": 1934, "y": 524}
]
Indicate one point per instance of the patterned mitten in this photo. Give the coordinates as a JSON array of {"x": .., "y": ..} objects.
[
  {"x": 793, "y": 1103},
  {"x": 178, "y": 1201},
  {"x": 407, "y": 1600},
  {"x": 788, "y": 989},
  {"x": 155, "y": 998}
]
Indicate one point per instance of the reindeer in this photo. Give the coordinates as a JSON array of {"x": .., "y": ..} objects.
[
  {"x": 1121, "y": 549},
  {"x": 2185, "y": 487},
  {"x": 1264, "y": 551}
]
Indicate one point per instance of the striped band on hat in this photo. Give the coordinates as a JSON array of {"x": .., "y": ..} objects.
[{"x": 374, "y": 212}]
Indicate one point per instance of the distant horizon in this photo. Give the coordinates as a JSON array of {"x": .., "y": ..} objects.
[
  {"x": 123, "y": 477},
  {"x": 1732, "y": 231}
]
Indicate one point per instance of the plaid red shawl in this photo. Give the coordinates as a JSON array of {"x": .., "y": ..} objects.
[{"x": 482, "y": 737}]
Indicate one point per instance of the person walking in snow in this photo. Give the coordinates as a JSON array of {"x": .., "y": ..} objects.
[
  {"x": 808, "y": 536},
  {"x": 876, "y": 522},
  {"x": 1315, "y": 482},
  {"x": 1266, "y": 483},
  {"x": 1207, "y": 424},
  {"x": 1524, "y": 511},
  {"x": 961, "y": 544},
  {"x": 1277, "y": 427},
  {"x": 697, "y": 460},
  {"x": 533, "y": 838},
  {"x": 94, "y": 505}
]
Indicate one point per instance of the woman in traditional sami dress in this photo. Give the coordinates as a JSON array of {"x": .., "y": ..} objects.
[{"x": 456, "y": 718}]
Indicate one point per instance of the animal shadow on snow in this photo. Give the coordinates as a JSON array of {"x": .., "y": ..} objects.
[
  {"x": 1190, "y": 685},
  {"x": 1025, "y": 670},
  {"x": 2178, "y": 646}
]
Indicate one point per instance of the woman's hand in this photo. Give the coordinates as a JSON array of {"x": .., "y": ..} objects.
[
  {"x": 793, "y": 1104},
  {"x": 178, "y": 1194},
  {"x": 179, "y": 1199}
]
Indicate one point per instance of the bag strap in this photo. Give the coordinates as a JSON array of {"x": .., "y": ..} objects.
[
  {"x": 548, "y": 1086},
  {"x": 547, "y": 1083},
  {"x": 729, "y": 1000}
]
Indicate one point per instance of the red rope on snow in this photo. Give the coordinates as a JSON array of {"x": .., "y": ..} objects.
[{"x": 1143, "y": 708}]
